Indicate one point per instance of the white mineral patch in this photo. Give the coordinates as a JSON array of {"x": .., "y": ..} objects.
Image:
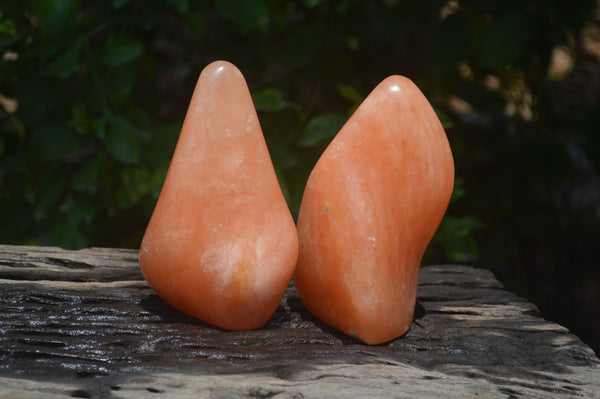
[
  {"x": 270, "y": 265},
  {"x": 220, "y": 260},
  {"x": 239, "y": 161}
]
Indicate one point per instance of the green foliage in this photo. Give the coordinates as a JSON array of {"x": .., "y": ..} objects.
[{"x": 321, "y": 129}]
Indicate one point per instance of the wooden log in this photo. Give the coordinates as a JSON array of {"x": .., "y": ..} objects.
[{"x": 85, "y": 324}]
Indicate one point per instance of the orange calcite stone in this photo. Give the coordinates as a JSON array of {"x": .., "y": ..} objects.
[
  {"x": 221, "y": 244},
  {"x": 371, "y": 205}
]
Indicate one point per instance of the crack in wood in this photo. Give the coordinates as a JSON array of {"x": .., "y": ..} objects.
[{"x": 56, "y": 326}]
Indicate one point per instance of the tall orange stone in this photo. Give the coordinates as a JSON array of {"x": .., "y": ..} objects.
[
  {"x": 221, "y": 244},
  {"x": 371, "y": 205}
]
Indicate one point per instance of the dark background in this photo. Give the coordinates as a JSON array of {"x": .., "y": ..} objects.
[{"x": 93, "y": 94}]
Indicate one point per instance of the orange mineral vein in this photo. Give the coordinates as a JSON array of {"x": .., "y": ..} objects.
[
  {"x": 371, "y": 205},
  {"x": 221, "y": 244}
]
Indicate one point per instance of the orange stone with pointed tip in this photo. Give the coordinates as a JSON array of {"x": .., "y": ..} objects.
[
  {"x": 371, "y": 205},
  {"x": 221, "y": 244}
]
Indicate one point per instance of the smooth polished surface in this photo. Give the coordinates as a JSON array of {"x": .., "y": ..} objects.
[
  {"x": 371, "y": 205},
  {"x": 221, "y": 244}
]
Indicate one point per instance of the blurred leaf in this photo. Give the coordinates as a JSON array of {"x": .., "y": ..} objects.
[
  {"x": 2, "y": 145},
  {"x": 313, "y": 3},
  {"x": 65, "y": 63},
  {"x": 453, "y": 227},
  {"x": 453, "y": 42},
  {"x": 15, "y": 164},
  {"x": 122, "y": 140},
  {"x": 351, "y": 94},
  {"x": 321, "y": 128},
  {"x": 120, "y": 85},
  {"x": 69, "y": 234},
  {"x": 134, "y": 184},
  {"x": 98, "y": 127},
  {"x": 18, "y": 125},
  {"x": 158, "y": 178},
  {"x": 285, "y": 156},
  {"x": 139, "y": 118},
  {"x": 479, "y": 96},
  {"x": 194, "y": 22},
  {"x": 79, "y": 120},
  {"x": 353, "y": 43},
  {"x": 459, "y": 189},
  {"x": 504, "y": 40},
  {"x": 269, "y": 99},
  {"x": 48, "y": 190},
  {"x": 17, "y": 218},
  {"x": 55, "y": 14},
  {"x": 121, "y": 99},
  {"x": 7, "y": 27},
  {"x": 445, "y": 120},
  {"x": 119, "y": 50},
  {"x": 52, "y": 142},
  {"x": 180, "y": 6},
  {"x": 86, "y": 178},
  {"x": 457, "y": 239},
  {"x": 8, "y": 33},
  {"x": 461, "y": 249},
  {"x": 120, "y": 3},
  {"x": 40, "y": 98},
  {"x": 302, "y": 45},
  {"x": 282, "y": 184},
  {"x": 249, "y": 14}
]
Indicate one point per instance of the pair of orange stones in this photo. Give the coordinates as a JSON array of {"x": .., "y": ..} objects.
[{"x": 222, "y": 246}]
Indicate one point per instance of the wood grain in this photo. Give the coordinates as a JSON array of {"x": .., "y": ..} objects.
[{"x": 86, "y": 324}]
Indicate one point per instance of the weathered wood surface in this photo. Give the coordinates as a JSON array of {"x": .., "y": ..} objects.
[{"x": 85, "y": 324}]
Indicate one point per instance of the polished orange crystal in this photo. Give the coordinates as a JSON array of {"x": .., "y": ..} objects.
[
  {"x": 371, "y": 205},
  {"x": 221, "y": 244}
]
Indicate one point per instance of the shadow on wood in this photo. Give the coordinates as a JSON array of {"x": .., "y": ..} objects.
[{"x": 90, "y": 325}]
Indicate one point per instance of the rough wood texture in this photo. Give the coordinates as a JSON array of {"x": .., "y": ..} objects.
[{"x": 85, "y": 324}]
